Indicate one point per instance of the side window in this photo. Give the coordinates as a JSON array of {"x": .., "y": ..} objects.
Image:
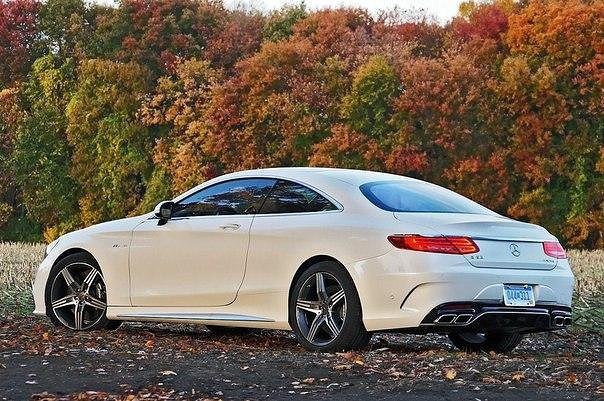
[
  {"x": 243, "y": 196},
  {"x": 289, "y": 197}
]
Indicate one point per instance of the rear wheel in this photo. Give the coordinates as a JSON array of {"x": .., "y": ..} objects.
[
  {"x": 477, "y": 342},
  {"x": 76, "y": 294},
  {"x": 325, "y": 310}
]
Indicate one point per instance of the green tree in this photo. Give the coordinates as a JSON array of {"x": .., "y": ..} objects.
[
  {"x": 368, "y": 107},
  {"x": 280, "y": 23},
  {"x": 111, "y": 159},
  {"x": 41, "y": 152}
]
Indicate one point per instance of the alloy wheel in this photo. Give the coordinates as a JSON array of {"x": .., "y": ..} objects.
[
  {"x": 321, "y": 308},
  {"x": 78, "y": 296}
]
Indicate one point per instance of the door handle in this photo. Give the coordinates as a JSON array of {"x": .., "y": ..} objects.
[{"x": 231, "y": 226}]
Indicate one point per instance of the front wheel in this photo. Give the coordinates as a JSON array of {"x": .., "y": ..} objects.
[
  {"x": 477, "y": 342},
  {"x": 76, "y": 294},
  {"x": 325, "y": 310}
]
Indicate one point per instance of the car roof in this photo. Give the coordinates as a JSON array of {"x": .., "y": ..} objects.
[{"x": 352, "y": 177}]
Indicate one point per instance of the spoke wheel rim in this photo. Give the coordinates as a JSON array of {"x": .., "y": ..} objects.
[
  {"x": 78, "y": 297},
  {"x": 321, "y": 308}
]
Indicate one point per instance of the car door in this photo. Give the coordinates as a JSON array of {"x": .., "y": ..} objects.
[
  {"x": 198, "y": 257},
  {"x": 294, "y": 223}
]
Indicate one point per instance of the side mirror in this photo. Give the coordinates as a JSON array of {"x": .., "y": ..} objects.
[{"x": 163, "y": 210}]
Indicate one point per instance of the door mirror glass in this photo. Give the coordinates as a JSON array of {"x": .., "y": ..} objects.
[{"x": 164, "y": 210}]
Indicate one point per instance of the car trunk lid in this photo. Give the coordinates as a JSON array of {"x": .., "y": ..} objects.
[{"x": 504, "y": 243}]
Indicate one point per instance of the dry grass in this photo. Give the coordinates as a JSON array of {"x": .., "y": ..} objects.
[
  {"x": 588, "y": 267},
  {"x": 18, "y": 263}
]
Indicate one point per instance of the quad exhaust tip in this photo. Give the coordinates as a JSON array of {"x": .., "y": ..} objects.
[
  {"x": 447, "y": 318},
  {"x": 561, "y": 321},
  {"x": 465, "y": 318},
  {"x": 453, "y": 318}
]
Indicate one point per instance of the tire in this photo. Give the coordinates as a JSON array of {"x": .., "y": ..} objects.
[
  {"x": 87, "y": 294},
  {"x": 496, "y": 341},
  {"x": 331, "y": 309}
]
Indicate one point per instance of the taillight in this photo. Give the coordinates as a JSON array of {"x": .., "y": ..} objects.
[
  {"x": 442, "y": 244},
  {"x": 554, "y": 249}
]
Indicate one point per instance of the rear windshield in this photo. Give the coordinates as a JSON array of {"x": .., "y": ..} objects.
[{"x": 417, "y": 196}]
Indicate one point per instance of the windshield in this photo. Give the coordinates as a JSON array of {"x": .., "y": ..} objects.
[{"x": 418, "y": 196}]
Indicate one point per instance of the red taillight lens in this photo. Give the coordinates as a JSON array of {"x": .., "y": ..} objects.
[
  {"x": 444, "y": 244},
  {"x": 554, "y": 249}
]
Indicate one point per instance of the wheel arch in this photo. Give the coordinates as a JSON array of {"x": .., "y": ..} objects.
[
  {"x": 306, "y": 265},
  {"x": 73, "y": 251},
  {"x": 63, "y": 255}
]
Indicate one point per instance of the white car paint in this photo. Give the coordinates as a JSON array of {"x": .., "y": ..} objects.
[{"x": 199, "y": 270}]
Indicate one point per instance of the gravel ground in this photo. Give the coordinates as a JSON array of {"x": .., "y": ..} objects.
[{"x": 185, "y": 362}]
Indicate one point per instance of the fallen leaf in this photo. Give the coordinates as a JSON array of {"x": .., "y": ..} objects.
[
  {"x": 309, "y": 380},
  {"x": 571, "y": 377},
  {"x": 149, "y": 343},
  {"x": 168, "y": 373},
  {"x": 343, "y": 367},
  {"x": 45, "y": 336},
  {"x": 450, "y": 374},
  {"x": 518, "y": 376}
]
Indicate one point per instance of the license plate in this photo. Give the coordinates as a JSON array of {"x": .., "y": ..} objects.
[{"x": 518, "y": 295}]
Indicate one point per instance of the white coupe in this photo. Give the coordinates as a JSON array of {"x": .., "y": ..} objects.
[{"x": 331, "y": 254}]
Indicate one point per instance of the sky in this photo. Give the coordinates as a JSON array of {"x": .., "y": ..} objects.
[{"x": 443, "y": 10}]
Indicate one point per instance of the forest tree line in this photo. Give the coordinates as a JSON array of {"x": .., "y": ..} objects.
[{"x": 106, "y": 110}]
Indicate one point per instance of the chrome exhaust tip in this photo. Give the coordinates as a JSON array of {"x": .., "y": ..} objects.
[
  {"x": 463, "y": 318},
  {"x": 447, "y": 318},
  {"x": 559, "y": 321}
]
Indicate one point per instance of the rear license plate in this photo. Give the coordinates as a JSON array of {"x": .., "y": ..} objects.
[{"x": 518, "y": 295}]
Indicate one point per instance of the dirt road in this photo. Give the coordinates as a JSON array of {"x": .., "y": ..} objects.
[{"x": 181, "y": 362}]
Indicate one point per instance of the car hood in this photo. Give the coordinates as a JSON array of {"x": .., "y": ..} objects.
[{"x": 111, "y": 227}]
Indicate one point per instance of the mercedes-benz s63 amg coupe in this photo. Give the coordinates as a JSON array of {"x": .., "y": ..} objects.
[{"x": 331, "y": 254}]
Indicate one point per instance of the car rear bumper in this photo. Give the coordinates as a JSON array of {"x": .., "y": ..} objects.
[
  {"x": 400, "y": 289},
  {"x": 481, "y": 317}
]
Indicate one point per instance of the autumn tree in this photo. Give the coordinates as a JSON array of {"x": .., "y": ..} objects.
[
  {"x": 111, "y": 150},
  {"x": 364, "y": 137},
  {"x": 41, "y": 152},
  {"x": 238, "y": 36},
  {"x": 176, "y": 112},
  {"x": 19, "y": 33},
  {"x": 158, "y": 33},
  {"x": 552, "y": 91},
  {"x": 10, "y": 117}
]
